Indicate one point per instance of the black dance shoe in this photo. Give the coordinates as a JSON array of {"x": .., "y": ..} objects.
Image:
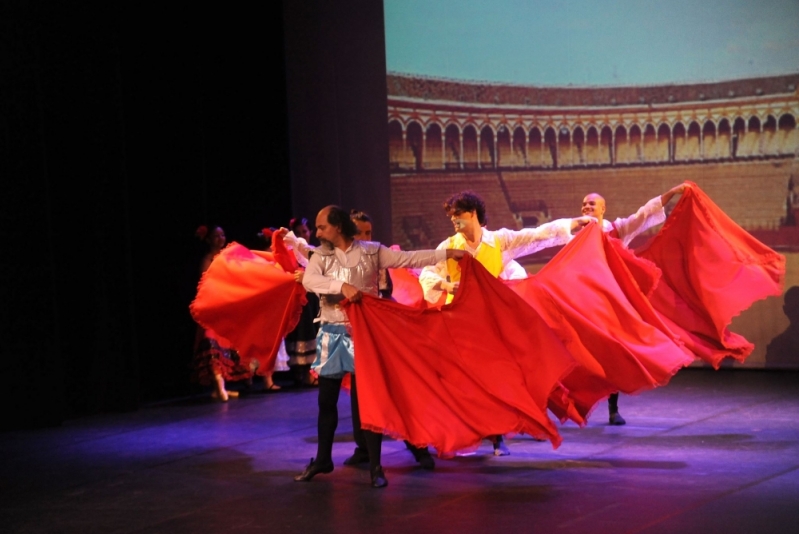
[
  {"x": 424, "y": 458},
  {"x": 616, "y": 419},
  {"x": 378, "y": 477},
  {"x": 360, "y": 456},
  {"x": 313, "y": 469}
]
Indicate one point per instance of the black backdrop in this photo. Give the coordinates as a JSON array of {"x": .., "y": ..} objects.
[{"x": 122, "y": 128}]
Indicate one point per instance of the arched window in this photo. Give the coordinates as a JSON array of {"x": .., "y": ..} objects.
[
  {"x": 565, "y": 154},
  {"x": 504, "y": 158},
  {"x": 470, "y": 147},
  {"x": 536, "y": 155},
  {"x": 520, "y": 148},
  {"x": 414, "y": 145},
  {"x": 606, "y": 144},
  {"x": 678, "y": 150},
  {"x": 622, "y": 146},
  {"x": 452, "y": 147},
  {"x": 486, "y": 152},
  {"x": 708, "y": 144},
  {"x": 723, "y": 139},
  {"x": 551, "y": 148},
  {"x": 789, "y": 135},
  {"x": 396, "y": 150}
]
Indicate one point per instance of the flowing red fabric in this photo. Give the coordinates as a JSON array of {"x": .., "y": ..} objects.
[
  {"x": 450, "y": 377},
  {"x": 249, "y": 301},
  {"x": 597, "y": 306},
  {"x": 712, "y": 270}
]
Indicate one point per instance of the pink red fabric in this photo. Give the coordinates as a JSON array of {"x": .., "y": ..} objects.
[
  {"x": 712, "y": 270},
  {"x": 249, "y": 302}
]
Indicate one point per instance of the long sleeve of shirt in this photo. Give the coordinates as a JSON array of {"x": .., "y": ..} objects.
[
  {"x": 649, "y": 215},
  {"x": 317, "y": 281},
  {"x": 512, "y": 243},
  {"x": 300, "y": 247}
]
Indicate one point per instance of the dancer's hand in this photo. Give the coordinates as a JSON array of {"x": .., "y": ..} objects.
[
  {"x": 450, "y": 287},
  {"x": 298, "y": 276},
  {"x": 579, "y": 222},
  {"x": 351, "y": 293}
]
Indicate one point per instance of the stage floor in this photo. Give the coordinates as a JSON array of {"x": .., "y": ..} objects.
[{"x": 711, "y": 452}]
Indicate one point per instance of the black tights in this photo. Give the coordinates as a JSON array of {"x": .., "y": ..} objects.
[{"x": 329, "y": 389}]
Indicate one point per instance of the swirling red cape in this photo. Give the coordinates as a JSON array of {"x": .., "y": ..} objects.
[
  {"x": 593, "y": 295},
  {"x": 453, "y": 376},
  {"x": 493, "y": 360},
  {"x": 712, "y": 270},
  {"x": 251, "y": 301}
]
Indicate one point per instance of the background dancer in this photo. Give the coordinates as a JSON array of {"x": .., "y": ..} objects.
[{"x": 626, "y": 229}]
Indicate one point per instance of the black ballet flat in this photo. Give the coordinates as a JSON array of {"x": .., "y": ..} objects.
[{"x": 313, "y": 469}]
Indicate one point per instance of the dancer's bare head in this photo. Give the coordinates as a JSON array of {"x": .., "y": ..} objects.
[{"x": 594, "y": 206}]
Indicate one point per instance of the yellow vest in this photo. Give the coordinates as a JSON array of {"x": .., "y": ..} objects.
[{"x": 490, "y": 257}]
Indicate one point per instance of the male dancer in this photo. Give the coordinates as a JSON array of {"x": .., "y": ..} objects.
[
  {"x": 626, "y": 229},
  {"x": 344, "y": 267},
  {"x": 493, "y": 249}
]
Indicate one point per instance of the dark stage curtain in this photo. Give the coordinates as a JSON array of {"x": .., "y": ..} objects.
[{"x": 121, "y": 130}]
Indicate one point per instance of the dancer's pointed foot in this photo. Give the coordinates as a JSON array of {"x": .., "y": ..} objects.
[{"x": 313, "y": 469}]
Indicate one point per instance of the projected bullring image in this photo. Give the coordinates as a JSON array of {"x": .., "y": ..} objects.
[{"x": 534, "y": 108}]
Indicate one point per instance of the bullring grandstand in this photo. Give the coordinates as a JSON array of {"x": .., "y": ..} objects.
[{"x": 534, "y": 152}]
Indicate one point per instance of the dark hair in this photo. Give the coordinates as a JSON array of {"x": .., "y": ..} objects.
[
  {"x": 297, "y": 221},
  {"x": 467, "y": 201},
  {"x": 340, "y": 218},
  {"x": 361, "y": 216}
]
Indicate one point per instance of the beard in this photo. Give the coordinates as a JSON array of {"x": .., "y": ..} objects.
[{"x": 326, "y": 244}]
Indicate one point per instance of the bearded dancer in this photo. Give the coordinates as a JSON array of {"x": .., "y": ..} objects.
[{"x": 342, "y": 268}]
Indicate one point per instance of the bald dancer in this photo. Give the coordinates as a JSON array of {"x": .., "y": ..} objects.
[{"x": 626, "y": 229}]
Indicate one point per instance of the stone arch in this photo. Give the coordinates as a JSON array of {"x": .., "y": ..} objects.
[
  {"x": 606, "y": 148},
  {"x": 723, "y": 139},
  {"x": 453, "y": 149},
  {"x": 564, "y": 146},
  {"x": 519, "y": 148},
  {"x": 469, "y": 137},
  {"x": 551, "y": 147},
  {"x": 414, "y": 143},
  {"x": 678, "y": 133},
  {"x": 621, "y": 142},
  {"x": 768, "y": 144},
  {"x": 396, "y": 146},
  {"x": 708, "y": 146},
  {"x": 578, "y": 146},
  {"x": 636, "y": 138},
  {"x": 536, "y": 144},
  {"x": 486, "y": 150},
  {"x": 649, "y": 143},
  {"x": 789, "y": 135},
  {"x": 592, "y": 145},
  {"x": 693, "y": 142},
  {"x": 663, "y": 149},
  {"x": 433, "y": 155},
  {"x": 738, "y": 137},
  {"x": 504, "y": 156},
  {"x": 752, "y": 138}
]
